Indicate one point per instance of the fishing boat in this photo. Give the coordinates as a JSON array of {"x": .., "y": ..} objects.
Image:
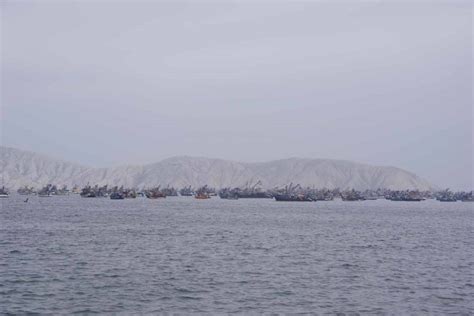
[
  {"x": 26, "y": 190},
  {"x": 155, "y": 193},
  {"x": 202, "y": 196},
  {"x": 3, "y": 193},
  {"x": 466, "y": 196},
  {"x": 88, "y": 195},
  {"x": 406, "y": 199},
  {"x": 292, "y": 193},
  {"x": 88, "y": 192},
  {"x": 203, "y": 193},
  {"x": 292, "y": 198},
  {"x": 46, "y": 191},
  {"x": 351, "y": 196},
  {"x": 447, "y": 199},
  {"x": 186, "y": 191},
  {"x": 255, "y": 195},
  {"x": 252, "y": 191},
  {"x": 229, "y": 194},
  {"x": 116, "y": 196},
  {"x": 405, "y": 196},
  {"x": 446, "y": 196}
]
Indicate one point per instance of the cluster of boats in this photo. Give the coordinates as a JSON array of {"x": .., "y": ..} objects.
[
  {"x": 290, "y": 193},
  {"x": 249, "y": 191},
  {"x": 121, "y": 193},
  {"x": 449, "y": 196}
]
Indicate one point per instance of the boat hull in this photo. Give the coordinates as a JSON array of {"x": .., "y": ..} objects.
[{"x": 283, "y": 198}]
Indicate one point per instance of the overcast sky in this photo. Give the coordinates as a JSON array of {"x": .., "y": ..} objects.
[{"x": 105, "y": 83}]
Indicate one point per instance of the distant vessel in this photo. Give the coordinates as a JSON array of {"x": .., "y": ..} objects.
[
  {"x": 203, "y": 193},
  {"x": 228, "y": 194},
  {"x": 406, "y": 196},
  {"x": 116, "y": 196},
  {"x": 406, "y": 199},
  {"x": 255, "y": 195},
  {"x": 88, "y": 192},
  {"x": 293, "y": 198},
  {"x": 293, "y": 193},
  {"x": 447, "y": 199},
  {"x": 46, "y": 191},
  {"x": 370, "y": 198},
  {"x": 447, "y": 196},
  {"x": 252, "y": 191},
  {"x": 202, "y": 196},
  {"x": 352, "y": 196},
  {"x": 467, "y": 196},
  {"x": 169, "y": 191},
  {"x": 26, "y": 190},
  {"x": 155, "y": 193},
  {"x": 3, "y": 193}
]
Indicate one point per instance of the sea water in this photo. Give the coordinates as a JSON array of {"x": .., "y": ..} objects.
[{"x": 78, "y": 255}]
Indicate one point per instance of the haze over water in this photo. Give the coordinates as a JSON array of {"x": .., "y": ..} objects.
[{"x": 71, "y": 254}]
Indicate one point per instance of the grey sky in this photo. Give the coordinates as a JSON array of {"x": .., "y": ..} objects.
[{"x": 105, "y": 83}]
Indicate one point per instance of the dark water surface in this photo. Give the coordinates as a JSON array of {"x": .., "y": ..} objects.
[{"x": 71, "y": 254}]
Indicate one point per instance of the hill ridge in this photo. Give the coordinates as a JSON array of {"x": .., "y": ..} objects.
[{"x": 21, "y": 167}]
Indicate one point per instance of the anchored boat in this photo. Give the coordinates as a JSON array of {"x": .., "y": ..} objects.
[
  {"x": 292, "y": 198},
  {"x": 3, "y": 193}
]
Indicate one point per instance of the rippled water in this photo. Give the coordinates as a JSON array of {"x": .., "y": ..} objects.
[{"x": 69, "y": 254}]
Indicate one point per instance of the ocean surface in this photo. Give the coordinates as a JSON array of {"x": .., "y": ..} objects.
[{"x": 65, "y": 255}]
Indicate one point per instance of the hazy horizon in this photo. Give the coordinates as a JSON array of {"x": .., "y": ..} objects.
[{"x": 378, "y": 83}]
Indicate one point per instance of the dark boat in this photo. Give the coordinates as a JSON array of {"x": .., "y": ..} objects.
[
  {"x": 155, "y": 193},
  {"x": 292, "y": 198},
  {"x": 405, "y": 196},
  {"x": 254, "y": 195},
  {"x": 88, "y": 192},
  {"x": 446, "y": 196},
  {"x": 467, "y": 197},
  {"x": 26, "y": 190},
  {"x": 3, "y": 192},
  {"x": 229, "y": 194},
  {"x": 47, "y": 191},
  {"x": 351, "y": 196},
  {"x": 252, "y": 191},
  {"x": 447, "y": 199},
  {"x": 116, "y": 196},
  {"x": 169, "y": 191},
  {"x": 406, "y": 199},
  {"x": 350, "y": 199},
  {"x": 186, "y": 191}
]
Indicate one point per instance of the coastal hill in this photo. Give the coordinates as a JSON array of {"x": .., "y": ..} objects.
[{"x": 19, "y": 168}]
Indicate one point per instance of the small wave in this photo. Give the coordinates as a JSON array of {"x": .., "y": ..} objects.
[
  {"x": 187, "y": 297},
  {"x": 456, "y": 299}
]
